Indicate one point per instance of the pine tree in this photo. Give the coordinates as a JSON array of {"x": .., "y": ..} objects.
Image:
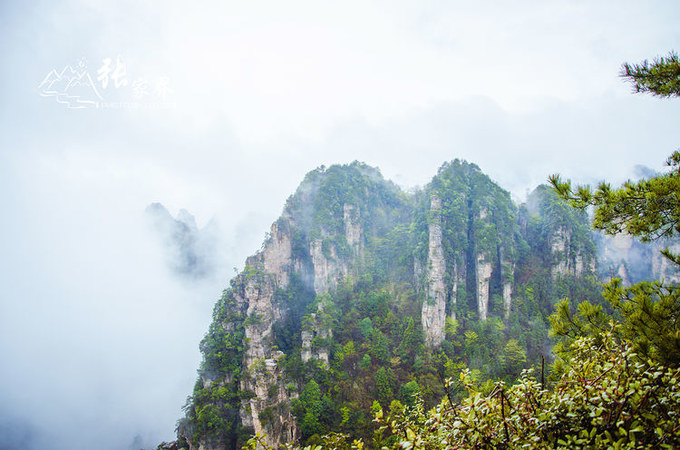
[
  {"x": 647, "y": 314},
  {"x": 660, "y": 78}
]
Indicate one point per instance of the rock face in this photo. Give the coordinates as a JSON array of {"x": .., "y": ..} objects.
[
  {"x": 568, "y": 260},
  {"x": 316, "y": 335},
  {"x": 326, "y": 272},
  {"x": 624, "y": 257},
  {"x": 263, "y": 376},
  {"x": 470, "y": 248},
  {"x": 266, "y": 272},
  {"x": 277, "y": 254},
  {"x": 271, "y": 402},
  {"x": 434, "y": 306},
  {"x": 329, "y": 266},
  {"x": 354, "y": 233},
  {"x": 265, "y": 407},
  {"x": 507, "y": 299},
  {"x": 614, "y": 252},
  {"x": 507, "y": 278},
  {"x": 313, "y": 246},
  {"x": 483, "y": 272},
  {"x": 662, "y": 268},
  {"x": 560, "y": 234}
]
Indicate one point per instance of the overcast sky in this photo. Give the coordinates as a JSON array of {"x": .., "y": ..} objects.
[{"x": 221, "y": 108}]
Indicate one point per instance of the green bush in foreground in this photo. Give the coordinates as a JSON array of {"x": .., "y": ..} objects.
[{"x": 608, "y": 398}]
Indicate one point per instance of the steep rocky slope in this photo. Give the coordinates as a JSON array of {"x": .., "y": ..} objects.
[{"x": 364, "y": 293}]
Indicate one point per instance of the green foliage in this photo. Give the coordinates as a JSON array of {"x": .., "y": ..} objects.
[
  {"x": 212, "y": 410},
  {"x": 365, "y": 363},
  {"x": 660, "y": 77},
  {"x": 384, "y": 385},
  {"x": 606, "y": 399},
  {"x": 209, "y": 421},
  {"x": 412, "y": 342},
  {"x": 379, "y": 347},
  {"x": 221, "y": 349},
  {"x": 309, "y": 410},
  {"x": 374, "y": 304},
  {"x": 366, "y": 327},
  {"x": 514, "y": 358},
  {"x": 297, "y": 297},
  {"x": 319, "y": 203},
  {"x": 212, "y": 414},
  {"x": 549, "y": 216},
  {"x": 409, "y": 393},
  {"x": 648, "y": 314}
]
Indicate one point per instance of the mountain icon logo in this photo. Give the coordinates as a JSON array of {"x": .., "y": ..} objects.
[{"x": 71, "y": 86}]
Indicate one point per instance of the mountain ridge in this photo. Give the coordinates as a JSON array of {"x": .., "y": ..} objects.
[{"x": 362, "y": 292}]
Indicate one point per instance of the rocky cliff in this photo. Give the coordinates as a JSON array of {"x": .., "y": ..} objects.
[
  {"x": 623, "y": 257},
  {"x": 364, "y": 293},
  {"x": 472, "y": 234},
  {"x": 560, "y": 234},
  {"x": 434, "y": 307}
]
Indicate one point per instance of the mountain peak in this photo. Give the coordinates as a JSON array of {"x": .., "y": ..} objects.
[{"x": 360, "y": 289}]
